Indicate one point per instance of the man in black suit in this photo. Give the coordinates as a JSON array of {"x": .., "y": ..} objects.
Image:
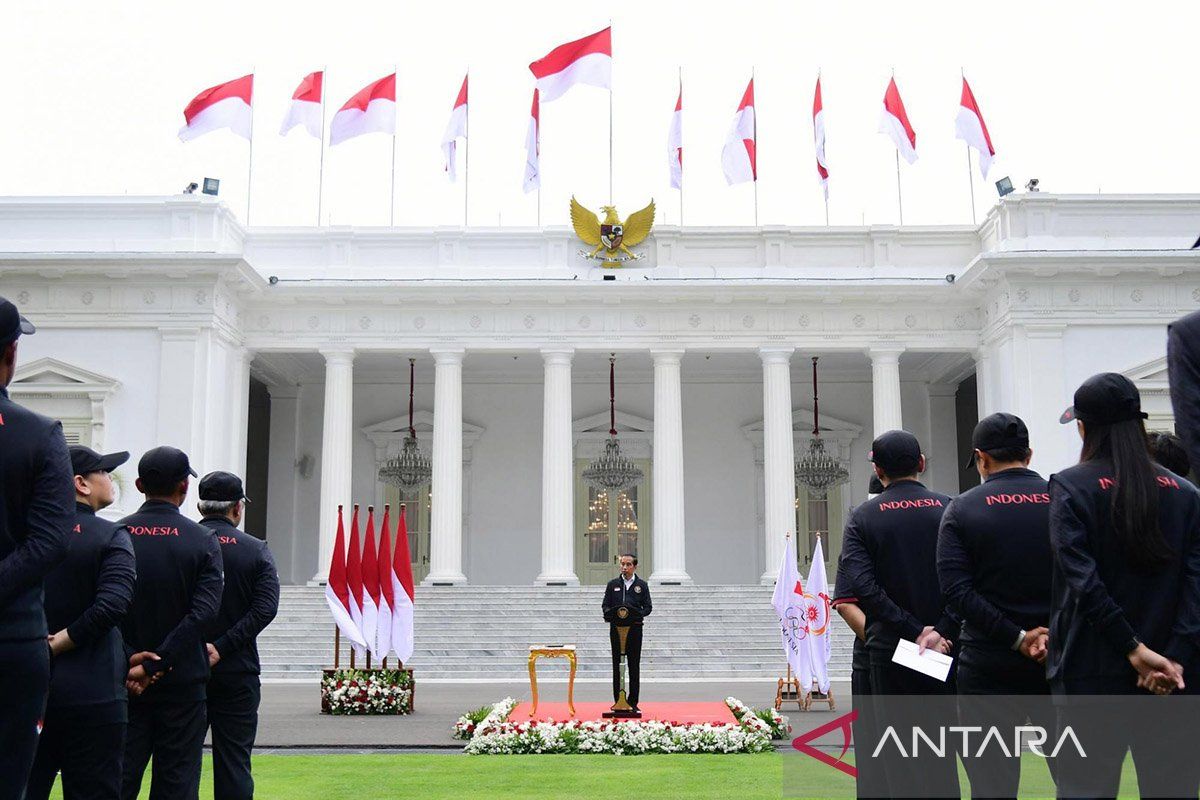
[
  {"x": 1183, "y": 371},
  {"x": 631, "y": 591}
]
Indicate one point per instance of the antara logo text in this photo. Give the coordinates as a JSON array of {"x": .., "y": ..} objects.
[{"x": 1034, "y": 736}]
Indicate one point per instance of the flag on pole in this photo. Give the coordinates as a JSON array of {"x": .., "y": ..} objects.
[
  {"x": 792, "y": 610},
  {"x": 383, "y": 627},
  {"x": 894, "y": 122},
  {"x": 370, "y": 571},
  {"x": 226, "y": 105},
  {"x": 533, "y": 147},
  {"x": 970, "y": 127},
  {"x": 337, "y": 591},
  {"x": 456, "y": 127},
  {"x": 820, "y": 636},
  {"x": 305, "y": 109},
  {"x": 819, "y": 139},
  {"x": 354, "y": 580},
  {"x": 371, "y": 110},
  {"x": 675, "y": 143},
  {"x": 738, "y": 156},
  {"x": 402, "y": 587},
  {"x": 583, "y": 61}
]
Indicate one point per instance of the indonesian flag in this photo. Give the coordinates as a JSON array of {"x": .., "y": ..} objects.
[
  {"x": 820, "y": 637},
  {"x": 456, "y": 127},
  {"x": 402, "y": 588},
  {"x": 675, "y": 143},
  {"x": 587, "y": 60},
  {"x": 306, "y": 106},
  {"x": 970, "y": 127},
  {"x": 370, "y": 571},
  {"x": 738, "y": 157},
  {"x": 226, "y": 105},
  {"x": 533, "y": 172},
  {"x": 383, "y": 627},
  {"x": 354, "y": 580},
  {"x": 819, "y": 139},
  {"x": 372, "y": 110},
  {"x": 792, "y": 610},
  {"x": 894, "y": 122},
  {"x": 337, "y": 592}
]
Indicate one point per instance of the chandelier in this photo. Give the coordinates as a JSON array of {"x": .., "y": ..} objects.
[
  {"x": 411, "y": 469},
  {"x": 612, "y": 471},
  {"x": 817, "y": 470}
]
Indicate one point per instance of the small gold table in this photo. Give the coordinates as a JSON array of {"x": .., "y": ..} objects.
[{"x": 566, "y": 651}]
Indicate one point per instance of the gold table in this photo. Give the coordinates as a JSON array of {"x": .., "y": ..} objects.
[{"x": 566, "y": 651}]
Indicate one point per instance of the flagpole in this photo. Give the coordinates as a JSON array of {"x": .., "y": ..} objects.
[
  {"x": 610, "y": 122},
  {"x": 321, "y": 167},
  {"x": 754, "y": 167},
  {"x": 681, "y": 147},
  {"x": 467, "y": 152},
  {"x": 899, "y": 194},
  {"x": 971, "y": 183},
  {"x": 392, "y": 213},
  {"x": 250, "y": 160}
]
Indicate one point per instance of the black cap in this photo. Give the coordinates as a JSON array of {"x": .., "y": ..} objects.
[
  {"x": 12, "y": 324},
  {"x": 1105, "y": 399},
  {"x": 998, "y": 431},
  {"x": 165, "y": 464},
  {"x": 222, "y": 486},
  {"x": 85, "y": 460},
  {"x": 896, "y": 452}
]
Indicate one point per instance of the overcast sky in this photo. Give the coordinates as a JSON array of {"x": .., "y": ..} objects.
[{"x": 1086, "y": 96}]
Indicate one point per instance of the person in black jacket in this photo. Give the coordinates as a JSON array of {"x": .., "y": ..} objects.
[
  {"x": 86, "y": 598},
  {"x": 175, "y": 601},
  {"x": 627, "y": 590},
  {"x": 1183, "y": 372},
  {"x": 36, "y": 507},
  {"x": 1168, "y": 451},
  {"x": 249, "y": 602},
  {"x": 1125, "y": 534}
]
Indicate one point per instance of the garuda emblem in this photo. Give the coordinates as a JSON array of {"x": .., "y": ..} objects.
[{"x": 611, "y": 238}]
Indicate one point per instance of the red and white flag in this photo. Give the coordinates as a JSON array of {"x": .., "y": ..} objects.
[
  {"x": 738, "y": 158},
  {"x": 305, "y": 109},
  {"x": 370, "y": 571},
  {"x": 533, "y": 147},
  {"x": 456, "y": 127},
  {"x": 675, "y": 143},
  {"x": 402, "y": 588},
  {"x": 819, "y": 139},
  {"x": 970, "y": 127},
  {"x": 337, "y": 591},
  {"x": 894, "y": 122},
  {"x": 792, "y": 610},
  {"x": 371, "y": 110},
  {"x": 587, "y": 61},
  {"x": 354, "y": 580},
  {"x": 820, "y": 634},
  {"x": 226, "y": 105},
  {"x": 383, "y": 627}
]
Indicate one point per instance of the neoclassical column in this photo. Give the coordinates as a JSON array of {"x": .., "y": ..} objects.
[
  {"x": 667, "y": 485},
  {"x": 885, "y": 386},
  {"x": 445, "y": 533},
  {"x": 779, "y": 458},
  {"x": 337, "y": 446},
  {"x": 240, "y": 412},
  {"x": 558, "y": 473},
  {"x": 983, "y": 381}
]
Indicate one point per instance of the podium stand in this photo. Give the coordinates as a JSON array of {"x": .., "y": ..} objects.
[{"x": 623, "y": 616}]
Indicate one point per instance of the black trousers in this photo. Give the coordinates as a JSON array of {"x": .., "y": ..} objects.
[
  {"x": 26, "y": 670},
  {"x": 896, "y": 692},
  {"x": 172, "y": 732},
  {"x": 633, "y": 653},
  {"x": 88, "y": 755},
  {"x": 871, "y": 780},
  {"x": 233, "y": 717}
]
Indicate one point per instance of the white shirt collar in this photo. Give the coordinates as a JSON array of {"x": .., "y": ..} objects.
[{"x": 629, "y": 582}]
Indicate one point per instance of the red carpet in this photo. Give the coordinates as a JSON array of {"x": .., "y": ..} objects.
[{"x": 664, "y": 712}]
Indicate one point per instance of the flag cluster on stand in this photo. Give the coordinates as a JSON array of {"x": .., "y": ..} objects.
[{"x": 804, "y": 618}]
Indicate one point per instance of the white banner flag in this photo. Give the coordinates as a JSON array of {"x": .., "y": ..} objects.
[
  {"x": 792, "y": 609},
  {"x": 820, "y": 636}
]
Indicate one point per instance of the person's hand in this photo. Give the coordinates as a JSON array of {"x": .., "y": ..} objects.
[
  {"x": 60, "y": 643},
  {"x": 137, "y": 680},
  {"x": 931, "y": 640},
  {"x": 1035, "y": 644},
  {"x": 1161, "y": 682},
  {"x": 213, "y": 655},
  {"x": 1156, "y": 672}
]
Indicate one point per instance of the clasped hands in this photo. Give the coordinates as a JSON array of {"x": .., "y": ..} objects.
[{"x": 138, "y": 679}]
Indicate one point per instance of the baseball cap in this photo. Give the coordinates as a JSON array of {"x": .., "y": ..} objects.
[
  {"x": 222, "y": 486},
  {"x": 85, "y": 460},
  {"x": 165, "y": 464},
  {"x": 12, "y": 324},
  {"x": 896, "y": 452},
  {"x": 998, "y": 431},
  {"x": 1105, "y": 399}
]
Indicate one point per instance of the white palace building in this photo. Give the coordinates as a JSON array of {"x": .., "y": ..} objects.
[{"x": 283, "y": 354}]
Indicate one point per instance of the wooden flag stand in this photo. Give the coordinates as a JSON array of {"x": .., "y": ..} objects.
[{"x": 788, "y": 691}]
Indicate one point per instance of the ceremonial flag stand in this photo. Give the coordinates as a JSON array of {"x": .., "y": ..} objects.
[{"x": 787, "y": 688}]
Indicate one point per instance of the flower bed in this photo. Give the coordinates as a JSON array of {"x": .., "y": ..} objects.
[
  {"x": 367, "y": 691},
  {"x": 768, "y": 718}
]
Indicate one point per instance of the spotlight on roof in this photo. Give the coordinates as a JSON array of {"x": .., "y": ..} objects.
[
  {"x": 274, "y": 279},
  {"x": 191, "y": 188},
  {"x": 1032, "y": 186},
  {"x": 211, "y": 186},
  {"x": 950, "y": 278},
  {"x": 1004, "y": 186}
]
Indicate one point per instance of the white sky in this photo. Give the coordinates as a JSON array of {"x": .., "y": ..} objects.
[{"x": 1086, "y": 96}]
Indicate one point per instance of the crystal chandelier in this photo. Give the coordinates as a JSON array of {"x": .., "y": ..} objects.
[
  {"x": 612, "y": 471},
  {"x": 817, "y": 470},
  {"x": 411, "y": 469}
]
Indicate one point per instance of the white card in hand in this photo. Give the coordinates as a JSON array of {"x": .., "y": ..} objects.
[{"x": 931, "y": 662}]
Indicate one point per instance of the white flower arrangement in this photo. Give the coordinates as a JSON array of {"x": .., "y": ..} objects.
[
  {"x": 472, "y": 721},
  {"x": 360, "y": 691},
  {"x": 767, "y": 720}
]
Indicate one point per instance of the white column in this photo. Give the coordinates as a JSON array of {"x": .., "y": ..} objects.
[
  {"x": 239, "y": 415},
  {"x": 558, "y": 473},
  {"x": 337, "y": 446},
  {"x": 445, "y": 534},
  {"x": 984, "y": 381},
  {"x": 779, "y": 458},
  {"x": 667, "y": 525},
  {"x": 885, "y": 385}
]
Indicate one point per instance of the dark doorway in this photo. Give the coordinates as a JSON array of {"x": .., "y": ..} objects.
[
  {"x": 966, "y": 416},
  {"x": 258, "y": 446}
]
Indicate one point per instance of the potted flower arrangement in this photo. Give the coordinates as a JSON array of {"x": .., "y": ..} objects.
[{"x": 367, "y": 691}]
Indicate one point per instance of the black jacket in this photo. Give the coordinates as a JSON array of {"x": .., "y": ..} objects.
[
  {"x": 636, "y": 597},
  {"x": 844, "y": 591},
  {"x": 249, "y": 601},
  {"x": 1183, "y": 369},
  {"x": 88, "y": 594},
  {"x": 37, "y": 504},
  {"x": 1100, "y": 602},
  {"x": 175, "y": 599}
]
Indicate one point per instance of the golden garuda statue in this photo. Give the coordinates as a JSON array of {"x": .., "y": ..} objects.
[{"x": 611, "y": 238}]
